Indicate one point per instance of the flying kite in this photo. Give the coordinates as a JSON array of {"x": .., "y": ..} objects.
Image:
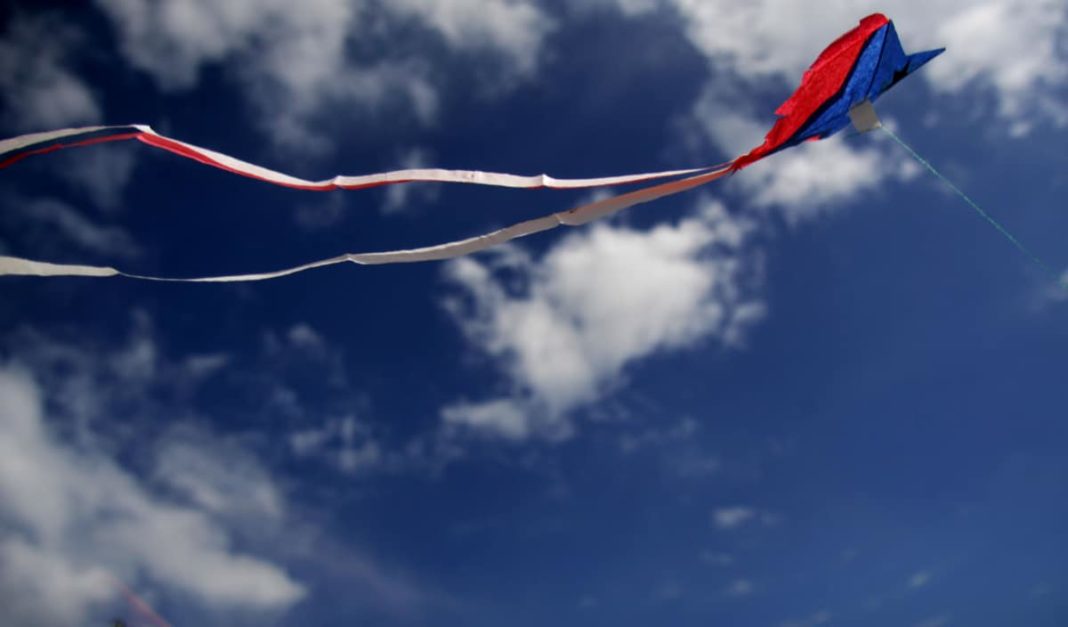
[{"x": 836, "y": 91}]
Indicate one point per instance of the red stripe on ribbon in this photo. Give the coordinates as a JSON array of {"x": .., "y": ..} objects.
[{"x": 60, "y": 146}]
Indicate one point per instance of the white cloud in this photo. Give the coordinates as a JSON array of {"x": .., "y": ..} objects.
[
  {"x": 502, "y": 418},
  {"x": 1013, "y": 47},
  {"x": 297, "y": 59},
  {"x": 69, "y": 590},
  {"x": 814, "y": 178},
  {"x": 38, "y": 90},
  {"x": 806, "y": 180},
  {"x": 218, "y": 477},
  {"x": 565, "y": 326},
  {"x": 194, "y": 506},
  {"x": 515, "y": 27},
  {"x": 70, "y": 512},
  {"x": 733, "y": 517},
  {"x": 289, "y": 56},
  {"x": 345, "y": 443},
  {"x": 53, "y": 227}
]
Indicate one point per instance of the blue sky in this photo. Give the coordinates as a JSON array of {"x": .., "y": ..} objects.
[{"x": 822, "y": 392}]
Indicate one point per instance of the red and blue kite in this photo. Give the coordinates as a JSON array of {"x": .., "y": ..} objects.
[
  {"x": 837, "y": 90},
  {"x": 856, "y": 69}
]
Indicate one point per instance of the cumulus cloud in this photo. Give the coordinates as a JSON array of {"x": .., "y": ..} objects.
[
  {"x": 516, "y": 28},
  {"x": 297, "y": 59},
  {"x": 38, "y": 90},
  {"x": 76, "y": 518},
  {"x": 565, "y": 326},
  {"x": 1014, "y": 47}
]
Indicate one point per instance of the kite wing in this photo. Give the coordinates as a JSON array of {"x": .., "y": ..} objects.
[{"x": 838, "y": 88}]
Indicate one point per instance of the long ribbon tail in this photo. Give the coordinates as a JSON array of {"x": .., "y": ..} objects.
[
  {"x": 18, "y": 148},
  {"x": 573, "y": 217},
  {"x": 974, "y": 205}
]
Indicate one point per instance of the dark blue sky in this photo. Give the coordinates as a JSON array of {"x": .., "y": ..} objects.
[{"x": 823, "y": 392}]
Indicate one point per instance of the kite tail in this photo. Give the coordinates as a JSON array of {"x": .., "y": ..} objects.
[
  {"x": 16, "y": 149},
  {"x": 1063, "y": 281},
  {"x": 573, "y": 217}
]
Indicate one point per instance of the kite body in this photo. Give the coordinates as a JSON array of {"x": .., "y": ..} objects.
[
  {"x": 836, "y": 90},
  {"x": 858, "y": 67}
]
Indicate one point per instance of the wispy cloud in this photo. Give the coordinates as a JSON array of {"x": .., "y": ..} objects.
[
  {"x": 738, "y": 516},
  {"x": 53, "y": 228},
  {"x": 345, "y": 443},
  {"x": 733, "y": 517},
  {"x": 196, "y": 513},
  {"x": 38, "y": 89},
  {"x": 919, "y": 579}
]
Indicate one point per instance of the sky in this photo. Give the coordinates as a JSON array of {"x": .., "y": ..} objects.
[{"x": 821, "y": 392}]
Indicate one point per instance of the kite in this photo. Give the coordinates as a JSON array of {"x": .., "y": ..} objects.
[{"x": 835, "y": 92}]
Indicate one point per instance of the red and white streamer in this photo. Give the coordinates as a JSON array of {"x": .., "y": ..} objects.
[{"x": 17, "y": 148}]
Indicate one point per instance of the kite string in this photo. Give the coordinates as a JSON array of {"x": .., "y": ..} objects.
[{"x": 1063, "y": 281}]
